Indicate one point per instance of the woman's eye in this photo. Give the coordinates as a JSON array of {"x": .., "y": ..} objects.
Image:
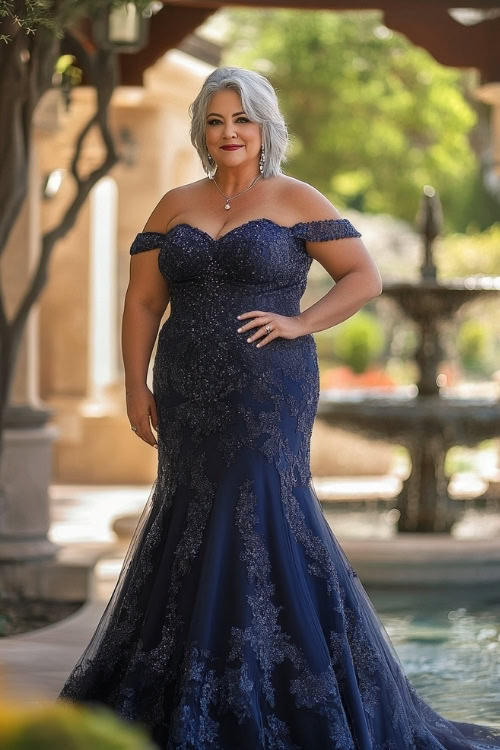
[{"x": 214, "y": 121}]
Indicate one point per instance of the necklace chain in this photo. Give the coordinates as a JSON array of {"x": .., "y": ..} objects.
[{"x": 227, "y": 206}]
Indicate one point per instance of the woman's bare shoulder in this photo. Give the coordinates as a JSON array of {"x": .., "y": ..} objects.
[
  {"x": 309, "y": 203},
  {"x": 171, "y": 204}
]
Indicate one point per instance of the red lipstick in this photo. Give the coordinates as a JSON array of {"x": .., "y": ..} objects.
[{"x": 233, "y": 147}]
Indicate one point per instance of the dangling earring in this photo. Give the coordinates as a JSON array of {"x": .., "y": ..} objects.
[
  {"x": 211, "y": 161},
  {"x": 262, "y": 160}
]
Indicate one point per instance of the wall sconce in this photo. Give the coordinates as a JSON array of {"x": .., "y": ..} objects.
[{"x": 51, "y": 183}]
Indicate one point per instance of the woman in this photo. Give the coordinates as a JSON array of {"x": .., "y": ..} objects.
[{"x": 237, "y": 621}]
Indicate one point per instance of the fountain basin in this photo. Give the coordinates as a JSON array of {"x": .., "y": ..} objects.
[
  {"x": 460, "y": 421},
  {"x": 431, "y": 299},
  {"x": 427, "y": 425},
  {"x": 424, "y": 561}
]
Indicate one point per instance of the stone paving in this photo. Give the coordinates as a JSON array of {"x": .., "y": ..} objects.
[{"x": 33, "y": 666}]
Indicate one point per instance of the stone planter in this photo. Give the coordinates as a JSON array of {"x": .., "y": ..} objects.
[{"x": 25, "y": 474}]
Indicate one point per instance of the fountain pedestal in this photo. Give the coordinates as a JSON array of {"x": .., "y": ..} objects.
[
  {"x": 429, "y": 423},
  {"x": 427, "y": 426},
  {"x": 424, "y": 502}
]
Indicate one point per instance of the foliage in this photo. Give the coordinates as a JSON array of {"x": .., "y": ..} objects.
[
  {"x": 34, "y": 15},
  {"x": 472, "y": 254},
  {"x": 66, "y": 69},
  {"x": 359, "y": 341},
  {"x": 68, "y": 726},
  {"x": 372, "y": 117},
  {"x": 469, "y": 253},
  {"x": 460, "y": 458},
  {"x": 402, "y": 371},
  {"x": 324, "y": 344},
  {"x": 472, "y": 344}
]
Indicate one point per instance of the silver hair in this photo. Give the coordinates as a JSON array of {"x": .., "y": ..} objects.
[{"x": 259, "y": 101}]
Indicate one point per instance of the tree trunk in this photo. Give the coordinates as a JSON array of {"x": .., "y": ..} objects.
[{"x": 27, "y": 65}]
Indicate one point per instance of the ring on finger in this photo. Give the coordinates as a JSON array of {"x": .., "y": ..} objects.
[{"x": 268, "y": 328}]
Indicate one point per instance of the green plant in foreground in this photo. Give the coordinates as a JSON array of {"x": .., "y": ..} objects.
[{"x": 69, "y": 727}]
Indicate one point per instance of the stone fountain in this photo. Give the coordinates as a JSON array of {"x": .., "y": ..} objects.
[{"x": 428, "y": 423}]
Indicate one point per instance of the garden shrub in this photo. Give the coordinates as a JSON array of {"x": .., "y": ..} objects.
[{"x": 359, "y": 341}]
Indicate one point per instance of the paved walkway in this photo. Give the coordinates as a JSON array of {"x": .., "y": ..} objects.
[{"x": 33, "y": 666}]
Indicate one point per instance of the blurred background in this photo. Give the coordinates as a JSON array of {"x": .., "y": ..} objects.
[{"x": 394, "y": 114}]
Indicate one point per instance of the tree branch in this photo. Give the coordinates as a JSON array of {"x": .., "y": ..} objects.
[{"x": 105, "y": 82}]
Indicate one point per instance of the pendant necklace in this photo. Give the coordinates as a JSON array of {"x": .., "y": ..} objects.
[{"x": 227, "y": 206}]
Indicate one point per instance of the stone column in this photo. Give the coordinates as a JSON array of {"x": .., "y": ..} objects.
[{"x": 27, "y": 458}]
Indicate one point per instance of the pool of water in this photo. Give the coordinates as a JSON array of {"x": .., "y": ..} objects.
[{"x": 449, "y": 644}]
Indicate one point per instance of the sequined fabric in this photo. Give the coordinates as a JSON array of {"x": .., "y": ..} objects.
[{"x": 237, "y": 622}]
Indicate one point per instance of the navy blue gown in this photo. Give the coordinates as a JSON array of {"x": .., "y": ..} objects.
[{"x": 237, "y": 622}]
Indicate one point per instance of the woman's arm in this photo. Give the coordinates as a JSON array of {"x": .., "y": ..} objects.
[
  {"x": 146, "y": 300},
  {"x": 357, "y": 278}
]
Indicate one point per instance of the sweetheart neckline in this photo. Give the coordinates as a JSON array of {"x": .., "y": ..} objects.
[{"x": 234, "y": 229}]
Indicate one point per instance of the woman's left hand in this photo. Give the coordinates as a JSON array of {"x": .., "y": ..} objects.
[{"x": 284, "y": 326}]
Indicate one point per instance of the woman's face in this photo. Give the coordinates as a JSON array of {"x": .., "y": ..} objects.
[{"x": 227, "y": 124}]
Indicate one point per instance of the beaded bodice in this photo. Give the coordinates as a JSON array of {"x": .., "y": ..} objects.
[{"x": 257, "y": 265}]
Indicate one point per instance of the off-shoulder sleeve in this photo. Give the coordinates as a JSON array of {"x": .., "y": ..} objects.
[
  {"x": 325, "y": 229},
  {"x": 146, "y": 241}
]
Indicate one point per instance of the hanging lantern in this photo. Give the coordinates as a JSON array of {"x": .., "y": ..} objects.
[{"x": 124, "y": 28}]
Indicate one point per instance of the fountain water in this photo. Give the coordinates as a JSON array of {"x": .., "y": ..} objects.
[{"x": 429, "y": 423}]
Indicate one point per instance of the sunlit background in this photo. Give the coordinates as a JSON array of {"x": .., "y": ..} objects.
[{"x": 377, "y": 123}]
